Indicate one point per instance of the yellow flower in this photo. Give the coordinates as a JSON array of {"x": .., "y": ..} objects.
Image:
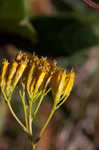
[
  {"x": 37, "y": 81},
  {"x": 12, "y": 69},
  {"x": 38, "y": 75},
  {"x": 29, "y": 77},
  {"x": 4, "y": 69},
  {"x": 69, "y": 82},
  {"x": 61, "y": 85},
  {"x": 57, "y": 84},
  {"x": 19, "y": 56},
  {"x": 34, "y": 59},
  {"x": 19, "y": 72}
]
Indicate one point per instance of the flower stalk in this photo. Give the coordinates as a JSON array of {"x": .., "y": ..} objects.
[{"x": 34, "y": 78}]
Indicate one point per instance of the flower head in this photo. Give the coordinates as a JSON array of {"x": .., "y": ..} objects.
[
  {"x": 61, "y": 84},
  {"x": 38, "y": 75},
  {"x": 34, "y": 77}
]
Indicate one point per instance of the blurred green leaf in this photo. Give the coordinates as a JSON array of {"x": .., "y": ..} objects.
[
  {"x": 14, "y": 19},
  {"x": 13, "y": 9},
  {"x": 57, "y": 35},
  {"x": 63, "y": 36},
  {"x": 15, "y": 28}
]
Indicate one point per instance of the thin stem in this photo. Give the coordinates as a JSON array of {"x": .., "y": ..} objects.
[
  {"x": 48, "y": 120},
  {"x": 5, "y": 97},
  {"x": 57, "y": 106},
  {"x": 24, "y": 106},
  {"x": 13, "y": 113},
  {"x": 30, "y": 111},
  {"x": 30, "y": 117},
  {"x": 33, "y": 146},
  {"x": 40, "y": 101}
]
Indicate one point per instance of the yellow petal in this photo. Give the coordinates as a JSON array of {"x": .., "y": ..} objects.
[
  {"x": 32, "y": 86},
  {"x": 19, "y": 72},
  {"x": 5, "y": 64},
  {"x": 19, "y": 56},
  {"x": 57, "y": 84},
  {"x": 69, "y": 83},
  {"x": 39, "y": 81},
  {"x": 12, "y": 69},
  {"x": 29, "y": 77},
  {"x": 61, "y": 83},
  {"x": 55, "y": 81}
]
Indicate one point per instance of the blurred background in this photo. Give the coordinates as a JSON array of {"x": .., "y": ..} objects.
[{"x": 68, "y": 31}]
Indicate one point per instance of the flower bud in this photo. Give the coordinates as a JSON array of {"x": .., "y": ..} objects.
[
  {"x": 19, "y": 72},
  {"x": 4, "y": 69},
  {"x": 29, "y": 77},
  {"x": 12, "y": 69}
]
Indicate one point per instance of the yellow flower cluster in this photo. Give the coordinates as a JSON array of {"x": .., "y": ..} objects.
[
  {"x": 34, "y": 77},
  {"x": 38, "y": 75}
]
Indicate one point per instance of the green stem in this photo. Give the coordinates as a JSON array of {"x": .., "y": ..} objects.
[
  {"x": 30, "y": 117},
  {"x": 30, "y": 111},
  {"x": 33, "y": 146},
  {"x": 14, "y": 115},
  {"x": 24, "y": 106},
  {"x": 62, "y": 102},
  {"x": 48, "y": 120},
  {"x": 39, "y": 103},
  {"x": 12, "y": 112}
]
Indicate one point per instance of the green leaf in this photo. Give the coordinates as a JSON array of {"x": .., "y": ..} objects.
[
  {"x": 13, "y": 9},
  {"x": 63, "y": 36},
  {"x": 14, "y": 19}
]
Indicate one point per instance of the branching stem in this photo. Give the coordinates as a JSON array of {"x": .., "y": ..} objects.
[
  {"x": 30, "y": 116},
  {"x": 24, "y": 106},
  {"x": 13, "y": 113},
  {"x": 48, "y": 120}
]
